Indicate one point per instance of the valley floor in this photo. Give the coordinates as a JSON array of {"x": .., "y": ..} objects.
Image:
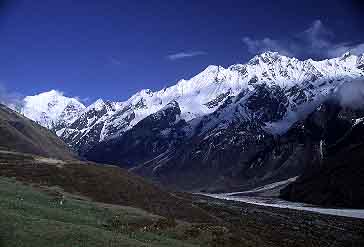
[
  {"x": 268, "y": 196},
  {"x": 278, "y": 203}
]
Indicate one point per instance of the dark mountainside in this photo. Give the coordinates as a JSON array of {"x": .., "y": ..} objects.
[
  {"x": 239, "y": 156},
  {"x": 145, "y": 141},
  {"x": 18, "y": 133},
  {"x": 337, "y": 178},
  {"x": 244, "y": 156}
]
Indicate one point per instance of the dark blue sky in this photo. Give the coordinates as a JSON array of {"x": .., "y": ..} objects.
[{"x": 112, "y": 49}]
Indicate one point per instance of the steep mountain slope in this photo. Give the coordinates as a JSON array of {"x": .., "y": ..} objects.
[
  {"x": 234, "y": 148},
  {"x": 229, "y": 149},
  {"x": 85, "y": 132},
  {"x": 20, "y": 134},
  {"x": 337, "y": 178},
  {"x": 155, "y": 134}
]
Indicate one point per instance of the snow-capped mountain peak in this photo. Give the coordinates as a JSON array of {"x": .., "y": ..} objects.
[
  {"x": 50, "y": 108},
  {"x": 98, "y": 105},
  {"x": 299, "y": 82}
]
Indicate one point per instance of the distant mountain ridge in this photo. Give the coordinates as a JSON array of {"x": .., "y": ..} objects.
[
  {"x": 197, "y": 97},
  {"x": 223, "y": 123}
]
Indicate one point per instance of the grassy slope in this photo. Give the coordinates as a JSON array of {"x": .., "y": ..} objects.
[
  {"x": 106, "y": 184},
  {"x": 23, "y": 135},
  {"x": 30, "y": 217}
]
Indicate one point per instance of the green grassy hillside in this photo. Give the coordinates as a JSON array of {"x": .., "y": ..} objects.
[
  {"x": 31, "y": 217},
  {"x": 108, "y": 184}
]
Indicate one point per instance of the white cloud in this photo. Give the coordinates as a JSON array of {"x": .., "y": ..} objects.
[
  {"x": 182, "y": 55},
  {"x": 317, "y": 36},
  {"x": 340, "y": 49},
  {"x": 315, "y": 41},
  {"x": 266, "y": 44},
  {"x": 352, "y": 94}
]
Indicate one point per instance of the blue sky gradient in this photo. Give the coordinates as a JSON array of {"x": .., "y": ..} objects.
[{"x": 112, "y": 49}]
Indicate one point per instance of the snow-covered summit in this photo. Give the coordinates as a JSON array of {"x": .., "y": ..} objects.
[
  {"x": 50, "y": 108},
  {"x": 97, "y": 105},
  {"x": 217, "y": 82}
]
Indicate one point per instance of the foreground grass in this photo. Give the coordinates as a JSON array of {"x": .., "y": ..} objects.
[{"x": 31, "y": 217}]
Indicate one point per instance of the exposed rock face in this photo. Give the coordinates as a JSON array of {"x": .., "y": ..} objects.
[
  {"x": 337, "y": 178},
  {"x": 149, "y": 138}
]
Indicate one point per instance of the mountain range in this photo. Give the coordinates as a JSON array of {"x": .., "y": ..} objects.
[
  {"x": 252, "y": 137},
  {"x": 68, "y": 201},
  {"x": 224, "y": 129}
]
